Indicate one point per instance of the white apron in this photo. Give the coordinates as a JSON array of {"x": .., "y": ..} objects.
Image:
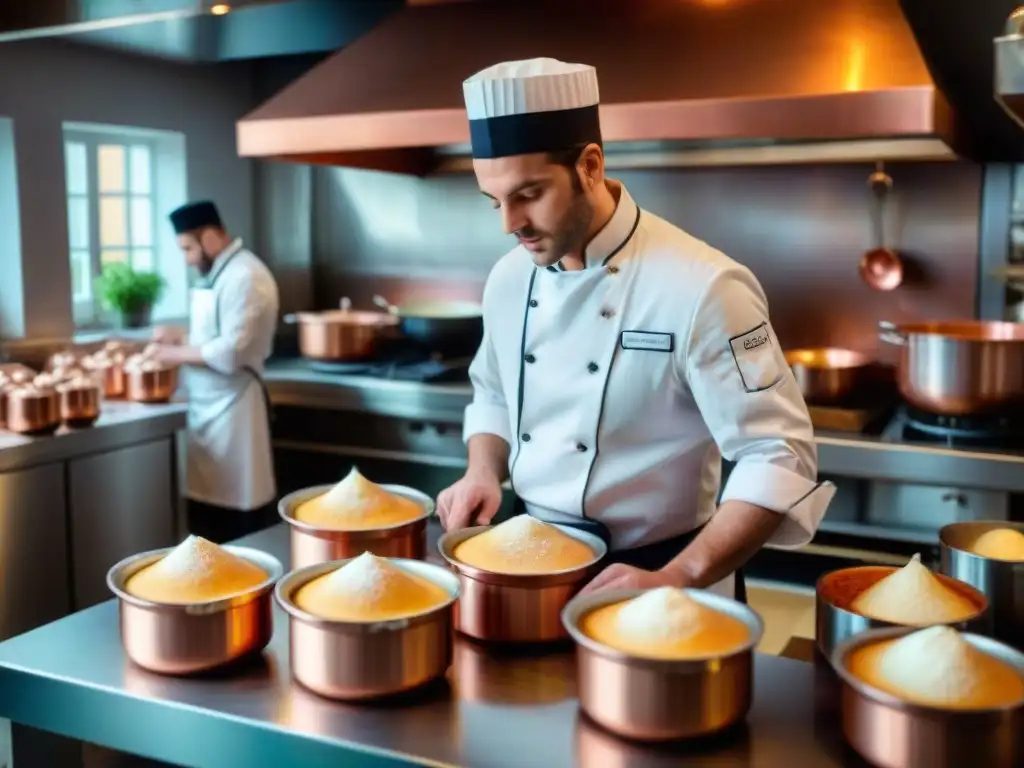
[{"x": 229, "y": 456}]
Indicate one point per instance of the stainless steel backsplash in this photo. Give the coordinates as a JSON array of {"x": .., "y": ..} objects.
[{"x": 802, "y": 230}]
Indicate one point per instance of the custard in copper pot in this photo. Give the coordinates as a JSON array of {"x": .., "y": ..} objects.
[
  {"x": 937, "y": 667},
  {"x": 370, "y": 589},
  {"x": 356, "y": 504},
  {"x": 196, "y": 571},
  {"x": 913, "y": 596},
  {"x": 666, "y": 624},
  {"x": 523, "y": 545},
  {"x": 999, "y": 544}
]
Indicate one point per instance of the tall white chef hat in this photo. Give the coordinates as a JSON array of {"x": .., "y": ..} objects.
[{"x": 536, "y": 105}]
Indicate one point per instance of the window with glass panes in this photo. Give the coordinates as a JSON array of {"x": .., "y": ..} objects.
[{"x": 110, "y": 192}]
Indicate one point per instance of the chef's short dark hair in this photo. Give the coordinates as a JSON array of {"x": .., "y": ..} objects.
[{"x": 569, "y": 158}]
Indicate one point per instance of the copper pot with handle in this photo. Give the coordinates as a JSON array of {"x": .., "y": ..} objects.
[
  {"x": 959, "y": 367},
  {"x": 342, "y": 335},
  {"x": 827, "y": 375}
]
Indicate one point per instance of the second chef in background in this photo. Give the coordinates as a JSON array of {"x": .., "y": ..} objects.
[
  {"x": 621, "y": 359},
  {"x": 232, "y": 320}
]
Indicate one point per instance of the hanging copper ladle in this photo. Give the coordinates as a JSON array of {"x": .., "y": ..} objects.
[{"x": 881, "y": 267}]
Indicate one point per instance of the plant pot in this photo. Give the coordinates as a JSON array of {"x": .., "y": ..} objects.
[{"x": 139, "y": 318}]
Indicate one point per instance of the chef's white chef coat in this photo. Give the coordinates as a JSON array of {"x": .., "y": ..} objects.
[
  {"x": 619, "y": 387},
  {"x": 232, "y": 321}
]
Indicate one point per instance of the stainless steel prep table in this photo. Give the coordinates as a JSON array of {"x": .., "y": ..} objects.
[{"x": 496, "y": 710}]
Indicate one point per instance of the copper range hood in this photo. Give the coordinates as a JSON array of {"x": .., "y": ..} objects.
[{"x": 683, "y": 82}]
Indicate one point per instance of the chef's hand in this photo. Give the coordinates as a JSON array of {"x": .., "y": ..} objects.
[
  {"x": 169, "y": 334},
  {"x": 168, "y": 354},
  {"x": 475, "y": 496},
  {"x": 619, "y": 576}
]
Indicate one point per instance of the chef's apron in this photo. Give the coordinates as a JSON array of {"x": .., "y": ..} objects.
[{"x": 229, "y": 459}]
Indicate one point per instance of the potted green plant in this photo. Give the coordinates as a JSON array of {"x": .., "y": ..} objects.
[{"x": 130, "y": 294}]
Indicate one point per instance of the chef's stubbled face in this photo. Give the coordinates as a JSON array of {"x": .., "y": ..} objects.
[
  {"x": 542, "y": 203},
  {"x": 191, "y": 244}
]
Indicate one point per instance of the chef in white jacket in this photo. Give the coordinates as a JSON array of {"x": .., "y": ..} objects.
[
  {"x": 621, "y": 359},
  {"x": 232, "y": 319}
]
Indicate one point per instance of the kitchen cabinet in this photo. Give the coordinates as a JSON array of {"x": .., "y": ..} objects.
[
  {"x": 121, "y": 503},
  {"x": 33, "y": 549}
]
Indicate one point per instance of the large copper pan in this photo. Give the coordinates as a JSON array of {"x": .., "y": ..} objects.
[
  {"x": 959, "y": 367},
  {"x": 835, "y": 620},
  {"x": 891, "y": 733},
  {"x": 311, "y": 545},
  {"x": 364, "y": 660},
  {"x": 516, "y": 608},
  {"x": 1001, "y": 581},
  {"x": 343, "y": 335},
  {"x": 655, "y": 700},
  {"x": 184, "y": 639}
]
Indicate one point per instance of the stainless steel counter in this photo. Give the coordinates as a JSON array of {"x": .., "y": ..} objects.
[
  {"x": 882, "y": 457},
  {"x": 120, "y": 424},
  {"x": 495, "y": 710}
]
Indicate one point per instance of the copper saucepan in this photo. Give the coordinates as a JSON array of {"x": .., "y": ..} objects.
[
  {"x": 516, "y": 608},
  {"x": 79, "y": 401},
  {"x": 891, "y": 733},
  {"x": 364, "y": 660},
  {"x": 659, "y": 700},
  {"x": 32, "y": 409},
  {"x": 1002, "y": 581},
  {"x": 835, "y": 620},
  {"x": 311, "y": 545},
  {"x": 827, "y": 376},
  {"x": 342, "y": 335},
  {"x": 184, "y": 639},
  {"x": 959, "y": 367}
]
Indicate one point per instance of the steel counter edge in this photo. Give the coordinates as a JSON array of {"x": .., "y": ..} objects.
[{"x": 120, "y": 424}]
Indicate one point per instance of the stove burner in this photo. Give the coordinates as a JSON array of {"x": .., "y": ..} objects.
[{"x": 989, "y": 430}]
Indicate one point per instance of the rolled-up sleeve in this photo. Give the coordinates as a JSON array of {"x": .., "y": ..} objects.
[
  {"x": 488, "y": 413},
  {"x": 241, "y": 305},
  {"x": 752, "y": 406}
]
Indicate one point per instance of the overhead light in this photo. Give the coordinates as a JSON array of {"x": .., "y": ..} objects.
[{"x": 220, "y": 9}]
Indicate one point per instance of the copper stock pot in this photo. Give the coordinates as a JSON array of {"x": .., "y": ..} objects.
[{"x": 959, "y": 367}]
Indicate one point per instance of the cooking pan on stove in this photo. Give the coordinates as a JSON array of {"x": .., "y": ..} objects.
[{"x": 451, "y": 328}]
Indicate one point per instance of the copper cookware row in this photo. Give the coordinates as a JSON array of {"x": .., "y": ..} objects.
[
  {"x": 891, "y": 733},
  {"x": 184, "y": 639},
  {"x": 655, "y": 700},
  {"x": 360, "y": 660},
  {"x": 311, "y": 545},
  {"x": 515, "y": 608}
]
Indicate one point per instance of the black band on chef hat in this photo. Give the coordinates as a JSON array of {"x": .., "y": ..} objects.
[
  {"x": 531, "y": 132},
  {"x": 193, "y": 216}
]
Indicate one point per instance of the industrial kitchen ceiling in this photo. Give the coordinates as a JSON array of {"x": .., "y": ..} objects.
[{"x": 682, "y": 82}]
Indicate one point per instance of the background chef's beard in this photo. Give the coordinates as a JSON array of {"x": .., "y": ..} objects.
[
  {"x": 205, "y": 264},
  {"x": 571, "y": 233}
]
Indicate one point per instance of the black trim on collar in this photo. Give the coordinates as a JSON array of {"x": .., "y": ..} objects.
[{"x": 558, "y": 266}]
